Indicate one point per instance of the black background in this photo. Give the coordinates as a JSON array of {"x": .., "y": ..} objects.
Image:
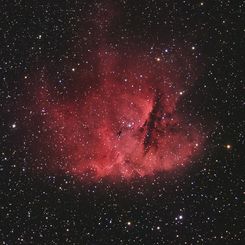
[{"x": 203, "y": 205}]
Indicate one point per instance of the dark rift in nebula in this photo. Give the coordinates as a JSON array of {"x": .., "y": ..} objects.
[
  {"x": 152, "y": 125},
  {"x": 127, "y": 125}
]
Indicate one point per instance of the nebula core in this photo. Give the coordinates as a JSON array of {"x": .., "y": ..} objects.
[{"x": 127, "y": 125}]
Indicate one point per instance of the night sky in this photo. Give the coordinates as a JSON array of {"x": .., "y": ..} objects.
[{"x": 122, "y": 122}]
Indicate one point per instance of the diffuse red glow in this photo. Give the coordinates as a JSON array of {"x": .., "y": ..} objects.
[{"x": 128, "y": 125}]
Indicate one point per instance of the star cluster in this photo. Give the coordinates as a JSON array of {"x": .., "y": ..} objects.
[{"x": 122, "y": 122}]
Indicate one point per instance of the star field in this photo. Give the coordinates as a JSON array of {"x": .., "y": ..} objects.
[{"x": 122, "y": 122}]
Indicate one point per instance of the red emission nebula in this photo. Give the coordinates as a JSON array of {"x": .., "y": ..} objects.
[{"x": 127, "y": 125}]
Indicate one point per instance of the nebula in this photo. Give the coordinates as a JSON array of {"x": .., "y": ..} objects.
[
  {"x": 121, "y": 118},
  {"x": 127, "y": 125}
]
